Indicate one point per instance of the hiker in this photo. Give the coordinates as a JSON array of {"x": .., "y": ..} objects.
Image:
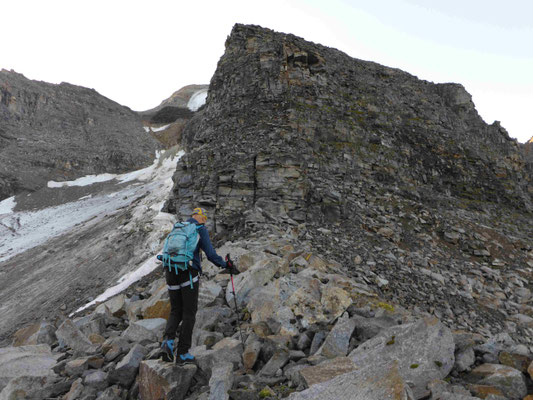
[{"x": 183, "y": 286}]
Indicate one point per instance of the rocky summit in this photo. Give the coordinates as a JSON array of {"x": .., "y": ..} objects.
[
  {"x": 62, "y": 132},
  {"x": 382, "y": 229}
]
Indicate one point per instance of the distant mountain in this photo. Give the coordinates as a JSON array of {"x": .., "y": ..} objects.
[
  {"x": 185, "y": 98},
  {"x": 62, "y": 132}
]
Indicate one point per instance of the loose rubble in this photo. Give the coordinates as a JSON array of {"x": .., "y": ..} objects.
[{"x": 363, "y": 348}]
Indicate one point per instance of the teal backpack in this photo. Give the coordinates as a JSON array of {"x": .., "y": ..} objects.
[{"x": 178, "y": 250}]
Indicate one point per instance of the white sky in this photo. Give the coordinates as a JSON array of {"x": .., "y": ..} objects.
[{"x": 139, "y": 52}]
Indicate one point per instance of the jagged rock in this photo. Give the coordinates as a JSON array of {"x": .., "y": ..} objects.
[
  {"x": 201, "y": 337},
  {"x": 35, "y": 360},
  {"x": 486, "y": 391},
  {"x": 276, "y": 362},
  {"x": 441, "y": 390},
  {"x": 164, "y": 381},
  {"x": 209, "y": 291},
  {"x": 94, "y": 338},
  {"x": 424, "y": 351},
  {"x": 318, "y": 339},
  {"x": 304, "y": 341},
  {"x": 367, "y": 328},
  {"x": 126, "y": 370},
  {"x": 335, "y": 301},
  {"x": 111, "y": 393},
  {"x": 145, "y": 330},
  {"x": 266, "y": 306},
  {"x": 133, "y": 310},
  {"x": 40, "y": 333},
  {"x": 97, "y": 379},
  {"x": 227, "y": 350},
  {"x": 116, "y": 305},
  {"x": 90, "y": 324},
  {"x": 33, "y": 387},
  {"x": 211, "y": 316},
  {"x": 69, "y": 335},
  {"x": 510, "y": 381},
  {"x": 530, "y": 370},
  {"x": 80, "y": 392},
  {"x": 370, "y": 382},
  {"x": 251, "y": 353},
  {"x": 75, "y": 368},
  {"x": 520, "y": 362},
  {"x": 258, "y": 275},
  {"x": 158, "y": 305},
  {"x": 114, "y": 347},
  {"x": 337, "y": 342},
  {"x": 326, "y": 371},
  {"x": 464, "y": 359},
  {"x": 221, "y": 381}
]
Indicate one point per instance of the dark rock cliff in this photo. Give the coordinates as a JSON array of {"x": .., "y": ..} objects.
[
  {"x": 291, "y": 125},
  {"x": 398, "y": 179},
  {"x": 62, "y": 132}
]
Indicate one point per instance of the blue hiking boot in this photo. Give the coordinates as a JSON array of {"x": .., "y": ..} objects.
[
  {"x": 186, "y": 358},
  {"x": 167, "y": 350}
]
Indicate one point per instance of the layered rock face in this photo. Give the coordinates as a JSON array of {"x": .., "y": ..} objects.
[
  {"x": 294, "y": 125},
  {"x": 396, "y": 178},
  {"x": 62, "y": 132}
]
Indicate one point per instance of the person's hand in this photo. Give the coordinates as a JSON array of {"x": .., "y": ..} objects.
[{"x": 230, "y": 265}]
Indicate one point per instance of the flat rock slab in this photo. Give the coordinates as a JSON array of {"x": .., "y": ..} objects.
[
  {"x": 509, "y": 380},
  {"x": 145, "y": 329},
  {"x": 159, "y": 380},
  {"x": 36, "y": 361},
  {"x": 338, "y": 340},
  {"x": 69, "y": 335},
  {"x": 370, "y": 383},
  {"x": 221, "y": 382},
  {"x": 424, "y": 351},
  {"x": 327, "y": 370},
  {"x": 258, "y": 275}
]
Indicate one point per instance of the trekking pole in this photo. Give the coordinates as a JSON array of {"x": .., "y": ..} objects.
[{"x": 236, "y": 308}]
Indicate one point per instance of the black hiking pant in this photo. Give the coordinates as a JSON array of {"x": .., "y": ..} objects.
[{"x": 183, "y": 306}]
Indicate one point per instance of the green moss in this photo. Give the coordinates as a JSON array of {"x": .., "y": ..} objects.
[
  {"x": 264, "y": 393},
  {"x": 414, "y": 366},
  {"x": 386, "y": 306},
  {"x": 438, "y": 364},
  {"x": 392, "y": 341}
]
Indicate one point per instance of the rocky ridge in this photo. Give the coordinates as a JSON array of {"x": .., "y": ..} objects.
[
  {"x": 62, "y": 132},
  {"x": 309, "y": 332},
  {"x": 397, "y": 179}
]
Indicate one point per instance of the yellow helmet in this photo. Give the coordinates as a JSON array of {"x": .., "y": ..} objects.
[{"x": 199, "y": 211}]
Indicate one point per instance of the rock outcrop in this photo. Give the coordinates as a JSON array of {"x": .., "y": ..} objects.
[
  {"x": 397, "y": 179},
  {"x": 62, "y": 132}
]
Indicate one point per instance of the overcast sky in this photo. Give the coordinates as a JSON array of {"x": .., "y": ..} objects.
[{"x": 139, "y": 52}]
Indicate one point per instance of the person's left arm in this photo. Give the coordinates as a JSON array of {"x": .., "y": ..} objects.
[{"x": 208, "y": 249}]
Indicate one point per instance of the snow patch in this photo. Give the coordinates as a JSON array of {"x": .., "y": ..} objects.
[
  {"x": 197, "y": 100},
  {"x": 124, "y": 282},
  {"x": 83, "y": 181},
  {"x": 21, "y": 231},
  {"x": 144, "y": 174},
  {"x": 161, "y": 128},
  {"x": 147, "y": 129},
  {"x": 7, "y": 205}
]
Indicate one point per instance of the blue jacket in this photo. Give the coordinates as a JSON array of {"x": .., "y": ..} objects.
[{"x": 205, "y": 244}]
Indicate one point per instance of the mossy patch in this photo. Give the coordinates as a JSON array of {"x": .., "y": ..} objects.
[{"x": 414, "y": 366}]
